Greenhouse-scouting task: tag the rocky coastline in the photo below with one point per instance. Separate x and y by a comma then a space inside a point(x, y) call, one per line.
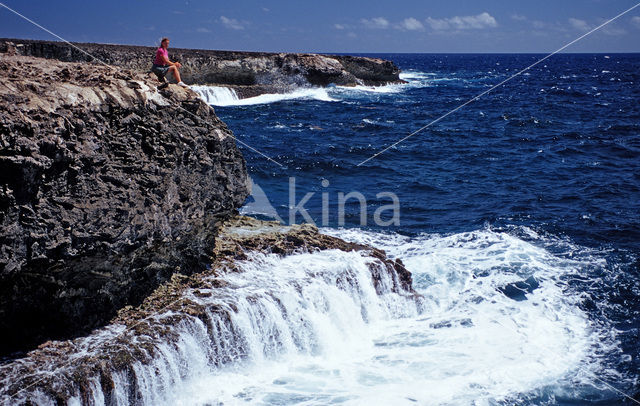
point(118, 213)
point(249, 74)
point(58, 371)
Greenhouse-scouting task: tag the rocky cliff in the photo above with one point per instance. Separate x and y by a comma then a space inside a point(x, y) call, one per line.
point(249, 73)
point(107, 187)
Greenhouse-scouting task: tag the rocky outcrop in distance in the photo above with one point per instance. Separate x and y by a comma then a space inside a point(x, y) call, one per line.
point(107, 188)
point(248, 73)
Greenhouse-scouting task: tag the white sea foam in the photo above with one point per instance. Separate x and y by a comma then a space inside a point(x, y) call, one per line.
point(414, 79)
point(470, 345)
point(390, 88)
point(312, 329)
point(303, 93)
point(222, 96)
point(413, 75)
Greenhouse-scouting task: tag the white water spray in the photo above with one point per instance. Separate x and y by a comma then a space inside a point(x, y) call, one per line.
point(313, 329)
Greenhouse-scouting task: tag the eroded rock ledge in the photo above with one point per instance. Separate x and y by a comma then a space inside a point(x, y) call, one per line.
point(107, 187)
point(137, 334)
point(248, 73)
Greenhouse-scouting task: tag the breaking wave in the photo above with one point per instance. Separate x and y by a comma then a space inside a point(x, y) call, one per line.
point(494, 322)
point(223, 96)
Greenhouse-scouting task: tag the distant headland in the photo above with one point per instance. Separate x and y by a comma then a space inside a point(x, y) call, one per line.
point(249, 74)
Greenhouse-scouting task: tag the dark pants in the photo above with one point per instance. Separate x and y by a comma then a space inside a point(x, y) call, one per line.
point(160, 71)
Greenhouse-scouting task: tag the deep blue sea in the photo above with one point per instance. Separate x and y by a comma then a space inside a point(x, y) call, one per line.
point(539, 179)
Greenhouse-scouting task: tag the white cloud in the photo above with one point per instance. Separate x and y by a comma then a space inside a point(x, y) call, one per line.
point(579, 24)
point(376, 22)
point(636, 21)
point(339, 26)
point(438, 25)
point(518, 17)
point(539, 24)
point(203, 30)
point(480, 21)
point(614, 31)
point(411, 24)
point(231, 23)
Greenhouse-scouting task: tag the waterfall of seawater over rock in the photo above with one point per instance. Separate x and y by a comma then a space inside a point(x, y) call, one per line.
point(492, 322)
point(306, 304)
point(216, 95)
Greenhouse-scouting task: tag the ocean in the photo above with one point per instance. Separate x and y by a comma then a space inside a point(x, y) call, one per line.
point(518, 215)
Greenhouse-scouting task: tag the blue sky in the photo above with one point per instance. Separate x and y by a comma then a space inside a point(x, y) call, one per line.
point(335, 26)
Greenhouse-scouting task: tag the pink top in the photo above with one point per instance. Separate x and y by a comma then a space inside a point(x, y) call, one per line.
point(159, 56)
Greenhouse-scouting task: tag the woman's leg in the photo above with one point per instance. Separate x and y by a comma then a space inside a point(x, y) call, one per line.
point(175, 72)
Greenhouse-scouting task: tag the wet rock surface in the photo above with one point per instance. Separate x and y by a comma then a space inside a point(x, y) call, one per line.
point(107, 188)
point(249, 73)
point(76, 368)
point(244, 234)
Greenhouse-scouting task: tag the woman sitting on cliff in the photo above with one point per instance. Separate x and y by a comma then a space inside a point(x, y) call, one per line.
point(162, 64)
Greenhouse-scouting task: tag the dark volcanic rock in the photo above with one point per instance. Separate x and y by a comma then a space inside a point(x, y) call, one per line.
point(371, 71)
point(107, 187)
point(250, 73)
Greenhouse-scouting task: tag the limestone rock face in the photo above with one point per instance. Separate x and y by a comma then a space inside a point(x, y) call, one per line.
point(107, 187)
point(249, 73)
